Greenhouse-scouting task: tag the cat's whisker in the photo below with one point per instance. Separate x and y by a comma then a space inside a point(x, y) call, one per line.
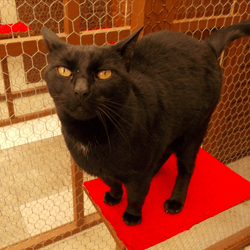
point(105, 106)
point(60, 107)
point(113, 120)
point(125, 106)
point(128, 112)
point(58, 97)
point(99, 114)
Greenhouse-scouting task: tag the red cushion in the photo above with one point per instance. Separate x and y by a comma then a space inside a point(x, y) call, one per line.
point(213, 188)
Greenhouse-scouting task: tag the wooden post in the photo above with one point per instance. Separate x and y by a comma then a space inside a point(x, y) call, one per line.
point(6, 78)
point(154, 15)
point(72, 21)
point(72, 30)
point(77, 180)
point(119, 243)
point(118, 247)
point(137, 16)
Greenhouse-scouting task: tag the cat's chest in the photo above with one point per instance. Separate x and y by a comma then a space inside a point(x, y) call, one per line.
point(81, 149)
point(94, 159)
point(83, 156)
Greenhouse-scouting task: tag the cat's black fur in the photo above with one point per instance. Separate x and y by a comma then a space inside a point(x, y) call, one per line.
point(158, 101)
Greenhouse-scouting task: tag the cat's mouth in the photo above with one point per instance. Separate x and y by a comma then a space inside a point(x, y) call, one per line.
point(80, 108)
point(83, 113)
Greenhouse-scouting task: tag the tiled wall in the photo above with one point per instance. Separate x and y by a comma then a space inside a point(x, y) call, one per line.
point(17, 75)
point(8, 11)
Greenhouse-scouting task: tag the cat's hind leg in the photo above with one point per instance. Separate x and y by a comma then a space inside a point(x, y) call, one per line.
point(186, 149)
point(114, 195)
point(165, 156)
point(186, 157)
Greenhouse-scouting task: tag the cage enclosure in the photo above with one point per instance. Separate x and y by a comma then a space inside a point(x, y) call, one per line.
point(42, 203)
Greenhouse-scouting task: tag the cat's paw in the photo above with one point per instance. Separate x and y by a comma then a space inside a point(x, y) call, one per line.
point(173, 206)
point(131, 219)
point(110, 200)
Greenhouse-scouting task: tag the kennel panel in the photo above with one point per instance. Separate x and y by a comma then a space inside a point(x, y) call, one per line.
point(41, 200)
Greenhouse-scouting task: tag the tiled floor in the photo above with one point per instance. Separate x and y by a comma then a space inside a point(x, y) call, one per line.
point(36, 192)
point(199, 237)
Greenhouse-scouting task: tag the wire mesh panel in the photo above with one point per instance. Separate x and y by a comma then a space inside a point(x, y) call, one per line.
point(228, 135)
point(41, 188)
point(41, 197)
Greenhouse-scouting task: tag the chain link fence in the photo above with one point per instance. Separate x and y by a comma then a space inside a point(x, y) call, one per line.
point(41, 198)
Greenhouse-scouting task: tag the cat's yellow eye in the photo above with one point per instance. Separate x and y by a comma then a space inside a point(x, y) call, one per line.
point(64, 71)
point(104, 74)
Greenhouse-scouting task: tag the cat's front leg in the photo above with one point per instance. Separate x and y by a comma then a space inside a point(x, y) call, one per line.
point(114, 195)
point(136, 191)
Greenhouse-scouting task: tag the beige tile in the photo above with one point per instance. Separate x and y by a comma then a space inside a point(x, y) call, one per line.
point(17, 75)
point(47, 213)
point(8, 11)
point(12, 226)
point(26, 105)
point(241, 167)
point(4, 114)
point(31, 131)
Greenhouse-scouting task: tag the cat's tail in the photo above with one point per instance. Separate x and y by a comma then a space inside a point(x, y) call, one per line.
point(221, 38)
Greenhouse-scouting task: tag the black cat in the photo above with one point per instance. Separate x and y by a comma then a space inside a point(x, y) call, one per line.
point(125, 108)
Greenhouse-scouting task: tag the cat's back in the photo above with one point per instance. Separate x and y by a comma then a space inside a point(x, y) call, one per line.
point(165, 47)
point(176, 69)
point(166, 38)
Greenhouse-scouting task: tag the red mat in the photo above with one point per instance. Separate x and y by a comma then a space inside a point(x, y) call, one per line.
point(16, 27)
point(213, 189)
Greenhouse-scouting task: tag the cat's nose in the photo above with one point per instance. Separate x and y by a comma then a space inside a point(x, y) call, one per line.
point(81, 89)
point(81, 94)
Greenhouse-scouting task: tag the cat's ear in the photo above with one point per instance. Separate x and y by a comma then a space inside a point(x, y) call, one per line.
point(126, 47)
point(51, 40)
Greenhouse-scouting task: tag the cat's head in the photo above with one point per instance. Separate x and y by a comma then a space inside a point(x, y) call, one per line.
point(83, 79)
